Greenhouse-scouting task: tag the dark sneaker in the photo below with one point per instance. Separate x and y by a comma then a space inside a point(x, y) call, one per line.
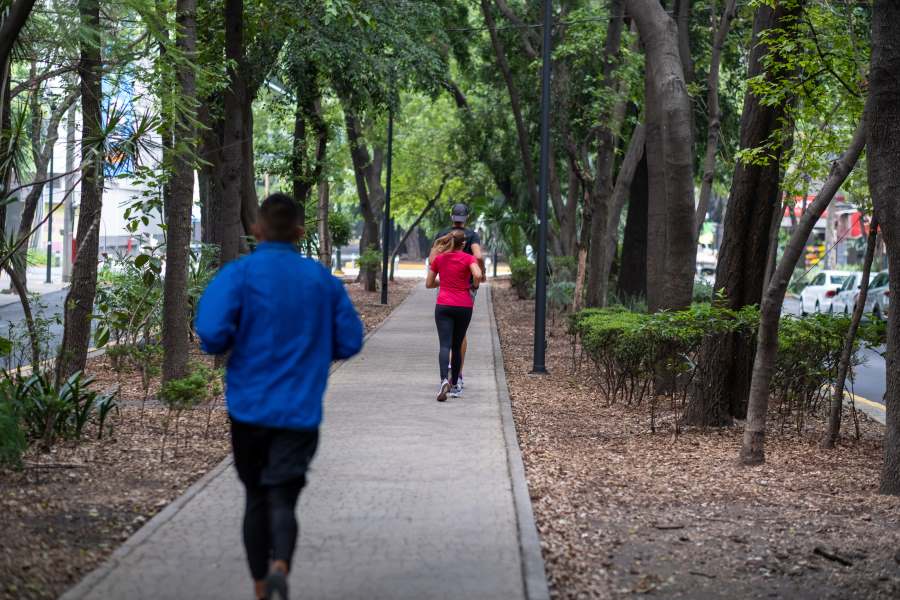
point(445, 389)
point(276, 586)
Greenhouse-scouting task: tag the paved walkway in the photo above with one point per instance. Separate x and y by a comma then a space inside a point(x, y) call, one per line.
point(407, 499)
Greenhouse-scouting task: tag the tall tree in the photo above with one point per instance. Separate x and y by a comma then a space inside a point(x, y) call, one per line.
point(228, 223)
point(741, 267)
point(175, 322)
point(601, 186)
point(714, 124)
point(671, 249)
point(883, 131)
point(79, 305)
point(753, 446)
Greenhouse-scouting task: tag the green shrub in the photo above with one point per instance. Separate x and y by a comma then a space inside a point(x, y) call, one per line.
point(340, 228)
point(201, 385)
point(48, 413)
point(631, 350)
point(563, 268)
point(12, 438)
point(369, 261)
point(522, 276)
point(703, 291)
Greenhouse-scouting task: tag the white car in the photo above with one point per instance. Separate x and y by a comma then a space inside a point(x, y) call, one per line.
point(817, 296)
point(879, 297)
point(845, 299)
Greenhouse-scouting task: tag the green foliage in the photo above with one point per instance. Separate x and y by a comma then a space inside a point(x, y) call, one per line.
point(563, 268)
point(340, 228)
point(523, 275)
point(809, 349)
point(201, 384)
point(703, 291)
point(369, 261)
point(12, 438)
point(129, 298)
point(45, 412)
point(634, 352)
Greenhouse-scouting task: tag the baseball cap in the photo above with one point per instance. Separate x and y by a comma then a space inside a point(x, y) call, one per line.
point(460, 213)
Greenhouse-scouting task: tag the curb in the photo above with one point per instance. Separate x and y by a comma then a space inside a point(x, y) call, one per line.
point(87, 583)
point(534, 577)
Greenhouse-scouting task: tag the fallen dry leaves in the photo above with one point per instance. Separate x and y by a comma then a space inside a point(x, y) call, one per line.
point(68, 509)
point(624, 511)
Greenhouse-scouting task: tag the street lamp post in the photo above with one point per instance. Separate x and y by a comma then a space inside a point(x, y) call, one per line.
point(386, 224)
point(50, 219)
point(540, 296)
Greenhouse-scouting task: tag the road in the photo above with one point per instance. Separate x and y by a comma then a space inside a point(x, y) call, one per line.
point(868, 385)
point(12, 316)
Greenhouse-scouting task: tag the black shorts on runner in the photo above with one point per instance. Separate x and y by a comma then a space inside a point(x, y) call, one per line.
point(265, 456)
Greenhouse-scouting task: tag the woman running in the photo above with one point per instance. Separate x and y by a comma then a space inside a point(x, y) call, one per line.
point(459, 274)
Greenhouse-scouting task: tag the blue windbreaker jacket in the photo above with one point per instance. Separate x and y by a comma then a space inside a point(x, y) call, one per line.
point(284, 318)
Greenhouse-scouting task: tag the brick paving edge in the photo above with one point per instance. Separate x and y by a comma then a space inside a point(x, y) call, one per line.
point(534, 576)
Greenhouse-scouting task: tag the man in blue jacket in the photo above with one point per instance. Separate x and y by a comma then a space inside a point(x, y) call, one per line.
point(283, 318)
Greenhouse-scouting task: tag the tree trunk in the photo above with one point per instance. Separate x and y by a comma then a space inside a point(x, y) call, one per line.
point(672, 249)
point(249, 199)
point(41, 154)
point(367, 173)
point(515, 104)
point(633, 156)
point(753, 447)
point(322, 224)
point(633, 266)
point(712, 106)
point(79, 304)
point(883, 116)
point(210, 170)
point(299, 187)
point(602, 184)
point(837, 398)
point(727, 359)
point(228, 221)
point(175, 324)
point(683, 13)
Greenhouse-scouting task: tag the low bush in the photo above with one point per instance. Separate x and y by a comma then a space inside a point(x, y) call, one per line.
point(640, 356)
point(369, 261)
point(44, 412)
point(202, 385)
point(522, 276)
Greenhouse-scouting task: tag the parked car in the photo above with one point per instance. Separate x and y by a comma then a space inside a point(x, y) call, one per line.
point(845, 299)
point(879, 296)
point(817, 296)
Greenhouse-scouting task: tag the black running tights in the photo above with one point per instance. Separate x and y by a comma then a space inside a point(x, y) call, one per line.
point(452, 323)
point(270, 525)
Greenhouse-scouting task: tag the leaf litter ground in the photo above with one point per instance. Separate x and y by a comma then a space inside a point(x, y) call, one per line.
point(622, 511)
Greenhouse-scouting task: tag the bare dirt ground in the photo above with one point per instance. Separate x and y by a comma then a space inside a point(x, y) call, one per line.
point(623, 511)
point(68, 509)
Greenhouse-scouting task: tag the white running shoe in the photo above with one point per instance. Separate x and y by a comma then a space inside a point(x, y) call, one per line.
point(445, 389)
point(456, 391)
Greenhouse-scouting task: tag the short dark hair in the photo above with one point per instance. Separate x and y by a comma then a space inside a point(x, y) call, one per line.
point(279, 216)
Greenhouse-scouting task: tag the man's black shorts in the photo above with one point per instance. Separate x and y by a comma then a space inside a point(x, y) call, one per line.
point(265, 456)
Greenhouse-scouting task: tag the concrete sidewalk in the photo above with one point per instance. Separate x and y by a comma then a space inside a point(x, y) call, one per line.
point(407, 498)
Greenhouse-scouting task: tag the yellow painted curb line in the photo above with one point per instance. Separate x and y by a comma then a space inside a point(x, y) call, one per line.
point(866, 401)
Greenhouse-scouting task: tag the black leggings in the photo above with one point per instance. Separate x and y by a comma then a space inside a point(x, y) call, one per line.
point(270, 525)
point(452, 323)
point(272, 465)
